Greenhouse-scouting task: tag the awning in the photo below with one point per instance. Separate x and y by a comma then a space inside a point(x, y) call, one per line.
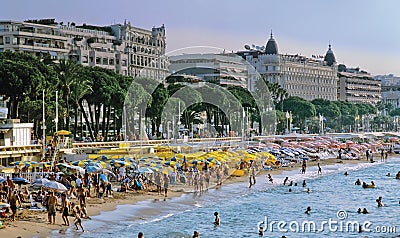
point(52, 53)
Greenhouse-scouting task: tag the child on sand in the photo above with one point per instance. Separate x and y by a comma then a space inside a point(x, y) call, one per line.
point(78, 221)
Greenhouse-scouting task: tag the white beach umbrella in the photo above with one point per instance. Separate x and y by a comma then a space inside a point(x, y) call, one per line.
point(59, 187)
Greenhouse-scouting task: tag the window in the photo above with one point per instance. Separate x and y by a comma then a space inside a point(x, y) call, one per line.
point(98, 60)
point(111, 61)
point(1, 40)
point(123, 62)
point(105, 61)
point(7, 40)
point(85, 59)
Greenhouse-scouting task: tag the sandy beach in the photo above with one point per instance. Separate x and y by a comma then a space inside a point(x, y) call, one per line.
point(35, 224)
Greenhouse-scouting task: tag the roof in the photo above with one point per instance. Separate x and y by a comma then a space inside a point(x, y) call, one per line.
point(271, 47)
point(330, 57)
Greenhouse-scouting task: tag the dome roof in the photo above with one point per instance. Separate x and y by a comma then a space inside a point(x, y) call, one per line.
point(272, 47)
point(330, 57)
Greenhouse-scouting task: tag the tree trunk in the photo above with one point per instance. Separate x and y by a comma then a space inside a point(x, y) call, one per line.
point(76, 120)
point(103, 124)
point(108, 120)
point(67, 114)
point(88, 124)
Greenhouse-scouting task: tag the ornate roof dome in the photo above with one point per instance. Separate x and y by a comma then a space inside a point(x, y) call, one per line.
point(272, 47)
point(330, 57)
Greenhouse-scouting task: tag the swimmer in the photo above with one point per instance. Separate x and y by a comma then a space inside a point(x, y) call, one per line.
point(295, 184)
point(379, 201)
point(388, 174)
point(291, 183)
point(365, 211)
point(372, 183)
point(308, 211)
point(359, 211)
point(261, 231)
point(304, 183)
point(290, 190)
point(217, 220)
point(140, 235)
point(345, 173)
point(196, 234)
point(308, 190)
point(358, 182)
point(284, 181)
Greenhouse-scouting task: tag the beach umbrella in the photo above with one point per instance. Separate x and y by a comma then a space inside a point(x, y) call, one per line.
point(4, 205)
point(20, 181)
point(167, 170)
point(79, 163)
point(19, 163)
point(144, 170)
point(103, 177)
point(39, 182)
point(62, 133)
point(56, 186)
point(93, 169)
point(173, 159)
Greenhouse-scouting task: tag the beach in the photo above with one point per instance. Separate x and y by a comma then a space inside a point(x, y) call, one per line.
point(34, 224)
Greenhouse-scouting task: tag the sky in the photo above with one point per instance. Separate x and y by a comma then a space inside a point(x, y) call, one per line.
point(363, 33)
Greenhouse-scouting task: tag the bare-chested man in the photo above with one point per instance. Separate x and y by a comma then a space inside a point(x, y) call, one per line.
point(51, 212)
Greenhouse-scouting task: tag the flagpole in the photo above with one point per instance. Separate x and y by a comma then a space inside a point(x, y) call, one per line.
point(44, 131)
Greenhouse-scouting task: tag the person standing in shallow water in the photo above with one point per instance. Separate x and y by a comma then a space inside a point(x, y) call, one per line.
point(319, 169)
point(217, 220)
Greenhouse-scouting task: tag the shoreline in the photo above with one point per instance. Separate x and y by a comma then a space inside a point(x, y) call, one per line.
point(35, 224)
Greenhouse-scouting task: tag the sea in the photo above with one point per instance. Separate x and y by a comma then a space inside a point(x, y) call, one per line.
point(334, 200)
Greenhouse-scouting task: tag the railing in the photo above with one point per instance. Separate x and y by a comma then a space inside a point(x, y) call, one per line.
point(114, 144)
point(31, 176)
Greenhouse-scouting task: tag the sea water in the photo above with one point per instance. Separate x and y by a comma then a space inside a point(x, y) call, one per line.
point(334, 200)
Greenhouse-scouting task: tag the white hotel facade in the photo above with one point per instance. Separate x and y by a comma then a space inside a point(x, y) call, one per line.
point(308, 78)
point(127, 50)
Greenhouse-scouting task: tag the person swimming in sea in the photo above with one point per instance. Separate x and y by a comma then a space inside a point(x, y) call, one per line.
point(388, 175)
point(196, 234)
point(359, 210)
point(291, 183)
point(308, 211)
point(379, 201)
point(365, 211)
point(308, 190)
point(345, 173)
point(290, 190)
point(217, 220)
point(358, 182)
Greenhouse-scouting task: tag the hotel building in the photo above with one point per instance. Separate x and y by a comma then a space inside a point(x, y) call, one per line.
point(358, 86)
point(308, 78)
point(390, 89)
point(223, 69)
point(127, 50)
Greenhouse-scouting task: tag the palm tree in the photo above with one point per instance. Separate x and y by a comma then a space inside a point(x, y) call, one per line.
point(78, 91)
point(67, 71)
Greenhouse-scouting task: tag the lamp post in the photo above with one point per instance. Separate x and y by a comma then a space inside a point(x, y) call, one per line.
point(56, 119)
point(44, 130)
point(287, 122)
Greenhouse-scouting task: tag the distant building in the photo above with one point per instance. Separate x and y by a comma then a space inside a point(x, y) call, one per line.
point(308, 78)
point(125, 49)
point(14, 133)
point(223, 69)
point(358, 86)
point(390, 89)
